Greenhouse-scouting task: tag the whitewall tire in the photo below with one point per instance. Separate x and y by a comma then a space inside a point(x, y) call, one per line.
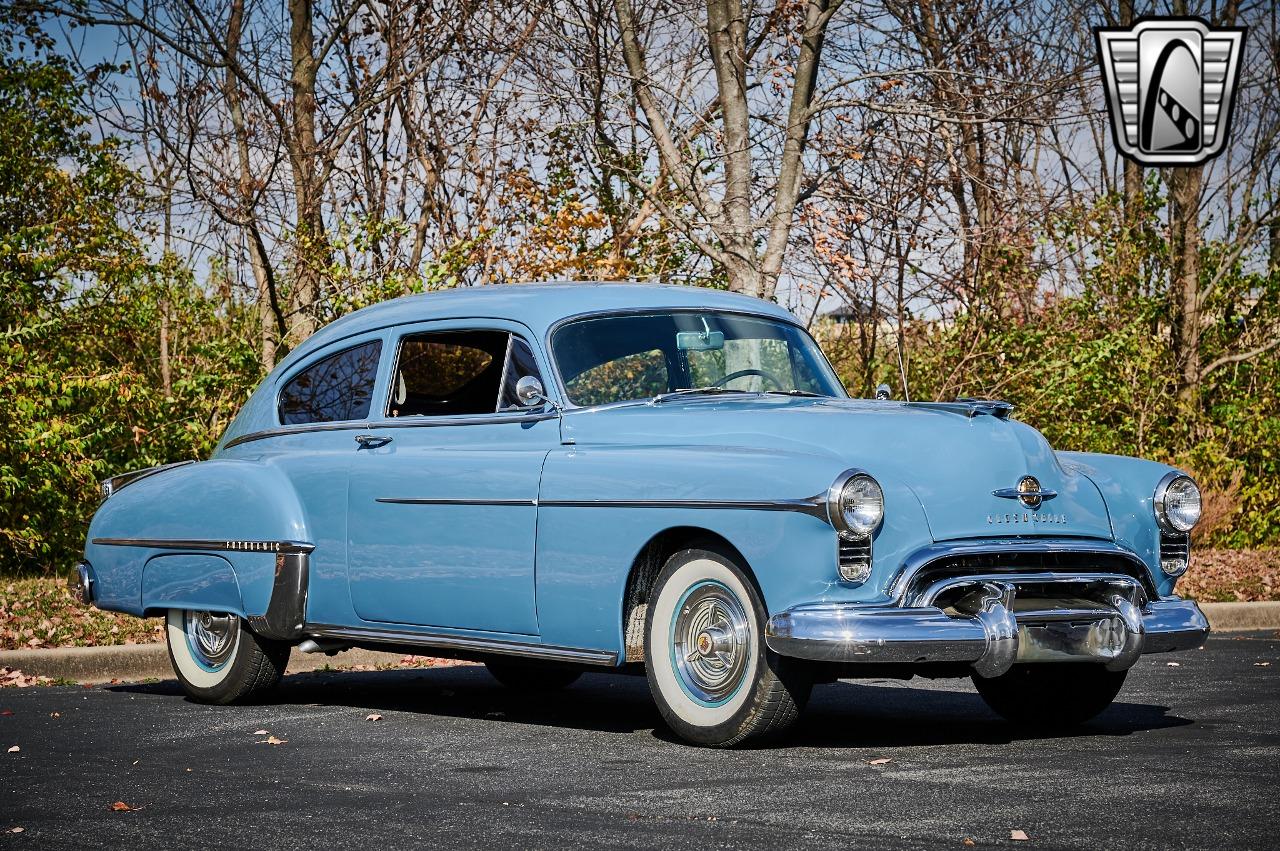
point(218, 659)
point(713, 678)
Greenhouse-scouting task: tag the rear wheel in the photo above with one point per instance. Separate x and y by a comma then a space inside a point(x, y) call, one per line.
point(1051, 695)
point(532, 677)
point(713, 678)
point(218, 659)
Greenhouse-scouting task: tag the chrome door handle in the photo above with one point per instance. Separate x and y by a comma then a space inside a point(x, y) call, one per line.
point(372, 441)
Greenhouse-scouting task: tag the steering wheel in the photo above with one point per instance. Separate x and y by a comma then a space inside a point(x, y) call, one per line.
point(742, 373)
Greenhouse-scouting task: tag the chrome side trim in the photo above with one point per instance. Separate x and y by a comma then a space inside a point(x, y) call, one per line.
point(413, 500)
point(814, 506)
point(440, 641)
point(204, 544)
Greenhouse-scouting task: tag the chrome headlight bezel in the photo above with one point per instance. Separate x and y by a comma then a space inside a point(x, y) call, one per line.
point(835, 502)
point(1161, 503)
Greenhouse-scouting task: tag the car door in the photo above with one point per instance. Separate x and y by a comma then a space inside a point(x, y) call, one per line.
point(442, 504)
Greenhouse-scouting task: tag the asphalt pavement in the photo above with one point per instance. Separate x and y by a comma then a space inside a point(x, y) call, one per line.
point(1188, 757)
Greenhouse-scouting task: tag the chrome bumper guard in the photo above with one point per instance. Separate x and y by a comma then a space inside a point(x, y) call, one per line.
point(1105, 619)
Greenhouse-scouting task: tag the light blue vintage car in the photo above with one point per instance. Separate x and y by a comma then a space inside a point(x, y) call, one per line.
point(559, 478)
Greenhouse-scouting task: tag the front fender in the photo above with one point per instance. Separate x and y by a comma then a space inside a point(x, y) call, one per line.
point(593, 522)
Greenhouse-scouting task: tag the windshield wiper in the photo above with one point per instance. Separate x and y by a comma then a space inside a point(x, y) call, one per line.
point(806, 393)
point(694, 391)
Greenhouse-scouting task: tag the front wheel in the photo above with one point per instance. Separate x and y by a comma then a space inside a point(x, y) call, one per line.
point(218, 659)
point(713, 678)
point(1051, 695)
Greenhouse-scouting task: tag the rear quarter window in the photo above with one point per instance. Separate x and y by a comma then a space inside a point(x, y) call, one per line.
point(335, 389)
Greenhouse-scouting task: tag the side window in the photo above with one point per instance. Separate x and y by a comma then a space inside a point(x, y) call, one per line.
point(448, 373)
point(520, 362)
point(338, 388)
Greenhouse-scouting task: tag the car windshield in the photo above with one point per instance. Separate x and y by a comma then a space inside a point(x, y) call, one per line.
point(642, 356)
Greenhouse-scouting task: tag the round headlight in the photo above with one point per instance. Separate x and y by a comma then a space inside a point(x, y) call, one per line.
point(856, 504)
point(1177, 503)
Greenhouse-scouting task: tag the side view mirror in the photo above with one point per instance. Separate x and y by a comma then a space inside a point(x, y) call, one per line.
point(530, 392)
point(882, 391)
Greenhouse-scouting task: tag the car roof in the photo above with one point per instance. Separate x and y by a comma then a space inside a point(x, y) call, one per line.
point(537, 305)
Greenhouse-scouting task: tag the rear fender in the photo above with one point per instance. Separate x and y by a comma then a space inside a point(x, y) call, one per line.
point(227, 519)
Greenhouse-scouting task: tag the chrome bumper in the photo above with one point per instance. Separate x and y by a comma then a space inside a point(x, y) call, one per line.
point(1114, 628)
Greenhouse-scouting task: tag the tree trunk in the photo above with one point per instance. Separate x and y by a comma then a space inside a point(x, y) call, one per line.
point(1184, 276)
point(727, 38)
point(270, 321)
point(310, 244)
point(1132, 171)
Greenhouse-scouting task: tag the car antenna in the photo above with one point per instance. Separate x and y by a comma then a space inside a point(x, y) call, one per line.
point(902, 368)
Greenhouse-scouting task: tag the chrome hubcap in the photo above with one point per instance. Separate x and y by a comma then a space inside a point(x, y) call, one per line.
point(710, 642)
point(211, 637)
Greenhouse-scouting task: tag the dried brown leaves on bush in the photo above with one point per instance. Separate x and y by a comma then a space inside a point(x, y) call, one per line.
point(1224, 576)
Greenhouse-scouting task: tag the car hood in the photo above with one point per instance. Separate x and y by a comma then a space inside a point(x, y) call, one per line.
point(952, 457)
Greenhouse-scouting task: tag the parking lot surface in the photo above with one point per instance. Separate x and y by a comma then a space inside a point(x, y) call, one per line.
point(1188, 757)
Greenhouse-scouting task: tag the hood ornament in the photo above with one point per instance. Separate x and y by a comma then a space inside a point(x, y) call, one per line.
point(1028, 492)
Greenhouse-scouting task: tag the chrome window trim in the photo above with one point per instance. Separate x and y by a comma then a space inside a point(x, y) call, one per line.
point(312, 360)
point(281, 431)
point(395, 422)
point(114, 484)
point(562, 389)
point(466, 644)
point(209, 545)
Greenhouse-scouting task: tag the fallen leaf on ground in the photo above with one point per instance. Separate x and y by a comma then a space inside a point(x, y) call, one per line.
point(261, 732)
point(122, 807)
point(272, 740)
point(16, 829)
point(884, 760)
point(1262, 664)
point(1018, 835)
point(55, 714)
point(373, 716)
point(1174, 664)
point(969, 842)
point(14, 749)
